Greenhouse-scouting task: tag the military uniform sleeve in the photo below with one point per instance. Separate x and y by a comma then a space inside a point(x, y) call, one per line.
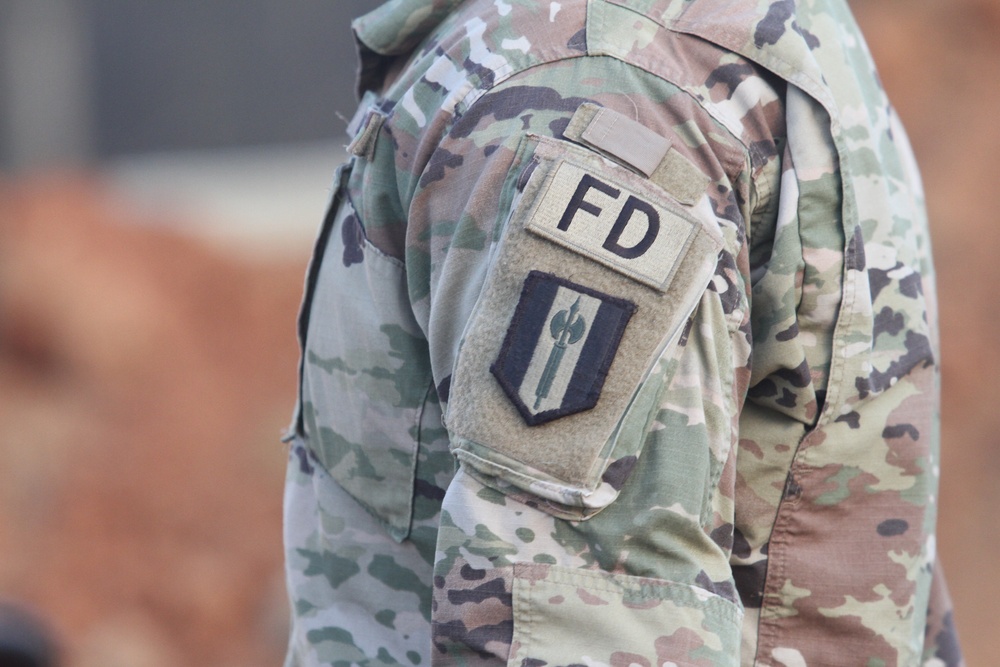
point(552, 256)
point(586, 299)
point(540, 263)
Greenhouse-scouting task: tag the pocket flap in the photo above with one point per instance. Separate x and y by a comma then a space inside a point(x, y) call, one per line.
point(565, 616)
point(365, 375)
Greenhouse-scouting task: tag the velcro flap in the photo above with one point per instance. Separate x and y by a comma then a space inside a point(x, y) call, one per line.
point(569, 325)
point(619, 136)
point(630, 142)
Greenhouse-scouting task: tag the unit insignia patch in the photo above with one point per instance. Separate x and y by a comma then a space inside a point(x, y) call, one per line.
point(607, 221)
point(560, 344)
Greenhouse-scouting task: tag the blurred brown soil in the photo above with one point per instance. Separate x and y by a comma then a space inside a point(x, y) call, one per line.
point(144, 383)
point(144, 380)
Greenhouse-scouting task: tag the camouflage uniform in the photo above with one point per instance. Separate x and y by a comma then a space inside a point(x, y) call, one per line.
point(619, 348)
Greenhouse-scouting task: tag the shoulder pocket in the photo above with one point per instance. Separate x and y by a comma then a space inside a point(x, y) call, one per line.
point(364, 375)
point(597, 273)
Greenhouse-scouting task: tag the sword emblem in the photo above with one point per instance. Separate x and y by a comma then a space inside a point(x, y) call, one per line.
point(567, 328)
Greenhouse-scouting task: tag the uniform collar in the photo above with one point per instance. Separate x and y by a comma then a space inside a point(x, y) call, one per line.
point(397, 26)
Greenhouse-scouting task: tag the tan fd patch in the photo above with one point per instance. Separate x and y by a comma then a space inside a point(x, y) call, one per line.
point(606, 220)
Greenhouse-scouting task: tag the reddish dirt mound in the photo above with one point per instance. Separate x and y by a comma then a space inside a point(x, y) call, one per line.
point(144, 382)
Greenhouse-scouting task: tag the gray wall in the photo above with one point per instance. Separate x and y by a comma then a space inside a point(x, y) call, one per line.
point(84, 80)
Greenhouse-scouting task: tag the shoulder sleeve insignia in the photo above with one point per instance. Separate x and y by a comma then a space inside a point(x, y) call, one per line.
point(593, 279)
point(560, 344)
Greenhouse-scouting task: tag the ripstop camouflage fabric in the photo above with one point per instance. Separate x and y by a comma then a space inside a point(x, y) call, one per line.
point(755, 484)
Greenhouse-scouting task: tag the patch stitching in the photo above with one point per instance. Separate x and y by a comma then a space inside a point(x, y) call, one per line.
point(531, 283)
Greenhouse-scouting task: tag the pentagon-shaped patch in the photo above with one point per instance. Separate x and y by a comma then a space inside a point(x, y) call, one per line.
point(561, 342)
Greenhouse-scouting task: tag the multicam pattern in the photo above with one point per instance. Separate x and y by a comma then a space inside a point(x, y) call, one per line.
point(778, 461)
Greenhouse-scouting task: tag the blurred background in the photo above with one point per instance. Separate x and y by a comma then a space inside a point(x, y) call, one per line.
point(163, 167)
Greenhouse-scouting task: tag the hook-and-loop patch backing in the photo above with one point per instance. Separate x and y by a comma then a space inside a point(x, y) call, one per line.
point(597, 272)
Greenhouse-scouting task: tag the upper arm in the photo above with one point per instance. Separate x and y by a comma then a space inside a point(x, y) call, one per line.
point(592, 474)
